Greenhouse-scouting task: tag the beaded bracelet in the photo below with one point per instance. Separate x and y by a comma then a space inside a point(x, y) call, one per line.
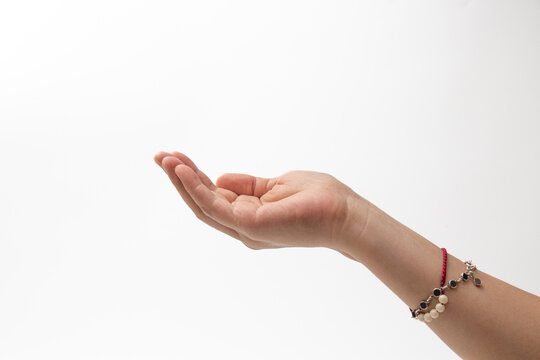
point(443, 275)
point(427, 317)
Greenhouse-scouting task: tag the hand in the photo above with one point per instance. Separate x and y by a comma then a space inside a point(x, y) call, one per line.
point(298, 208)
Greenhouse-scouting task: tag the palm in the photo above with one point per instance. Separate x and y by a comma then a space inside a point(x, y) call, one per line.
point(299, 208)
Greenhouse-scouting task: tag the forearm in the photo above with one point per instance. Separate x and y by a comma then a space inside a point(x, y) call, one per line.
point(494, 321)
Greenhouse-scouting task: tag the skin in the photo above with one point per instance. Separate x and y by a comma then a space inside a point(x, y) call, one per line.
point(313, 209)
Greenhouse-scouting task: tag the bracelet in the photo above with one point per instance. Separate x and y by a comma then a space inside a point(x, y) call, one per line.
point(443, 275)
point(427, 316)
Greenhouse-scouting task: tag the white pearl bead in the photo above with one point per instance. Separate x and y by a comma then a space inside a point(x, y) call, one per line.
point(420, 317)
point(443, 299)
point(427, 317)
point(440, 307)
point(434, 314)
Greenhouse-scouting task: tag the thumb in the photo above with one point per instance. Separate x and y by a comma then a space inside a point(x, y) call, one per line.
point(243, 184)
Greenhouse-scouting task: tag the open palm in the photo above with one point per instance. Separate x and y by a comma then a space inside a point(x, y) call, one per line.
point(298, 208)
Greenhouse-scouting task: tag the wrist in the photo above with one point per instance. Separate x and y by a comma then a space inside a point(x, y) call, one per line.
point(355, 227)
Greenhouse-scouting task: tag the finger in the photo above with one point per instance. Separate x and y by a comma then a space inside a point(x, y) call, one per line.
point(169, 166)
point(159, 157)
point(216, 207)
point(243, 184)
point(186, 160)
point(169, 163)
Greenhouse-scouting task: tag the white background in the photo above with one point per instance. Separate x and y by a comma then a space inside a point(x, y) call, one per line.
point(429, 109)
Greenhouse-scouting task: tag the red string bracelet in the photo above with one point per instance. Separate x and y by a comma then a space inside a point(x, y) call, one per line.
point(443, 276)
